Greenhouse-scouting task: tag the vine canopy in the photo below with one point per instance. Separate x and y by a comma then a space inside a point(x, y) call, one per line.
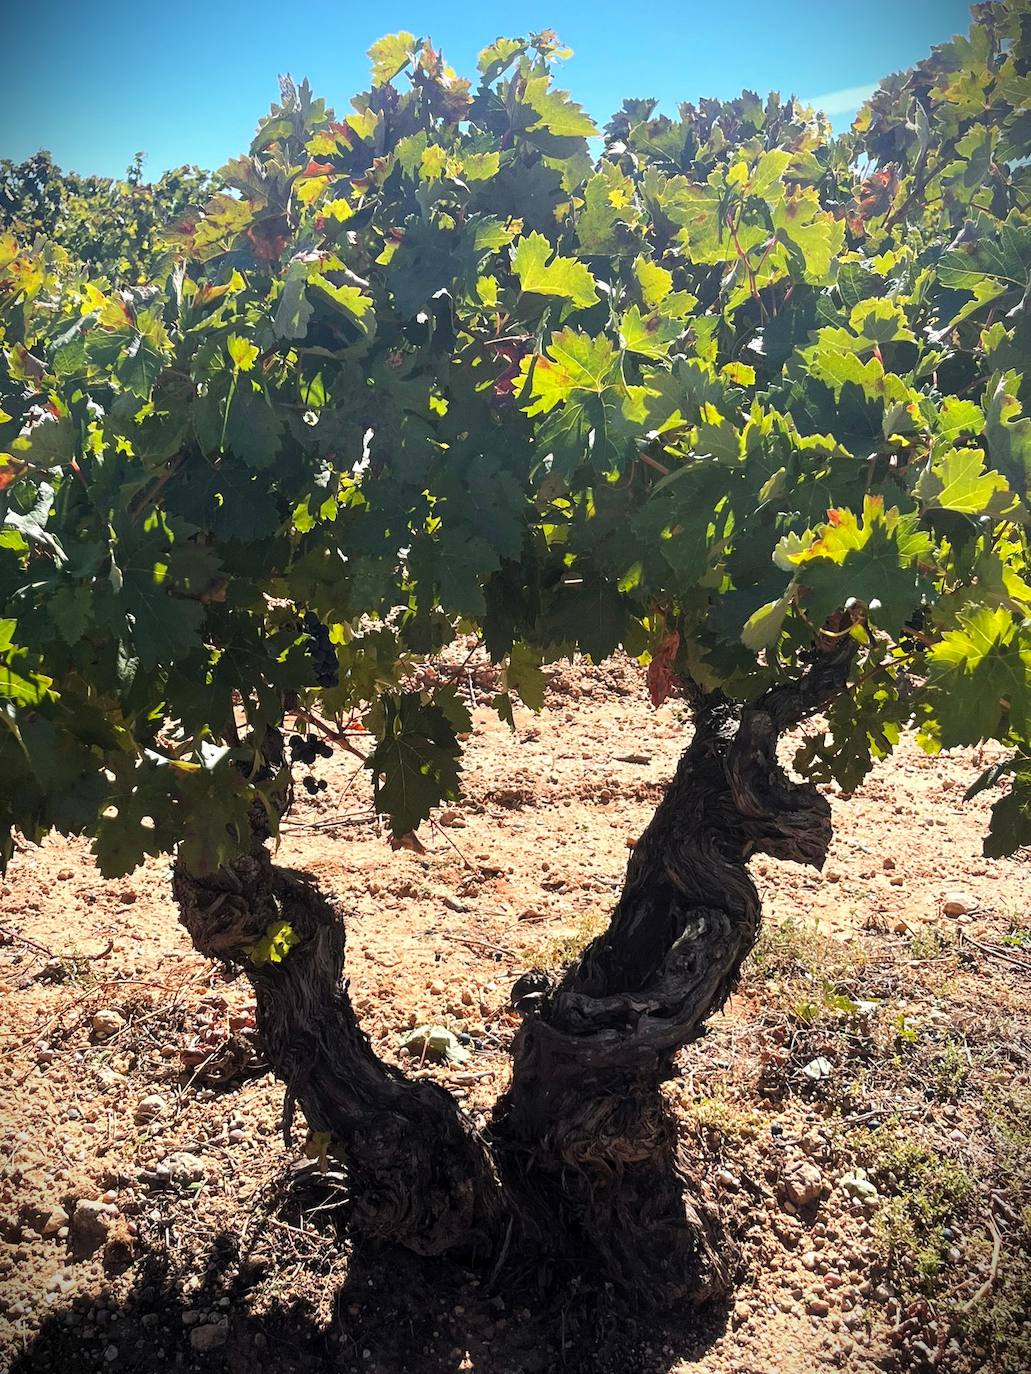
point(713, 387)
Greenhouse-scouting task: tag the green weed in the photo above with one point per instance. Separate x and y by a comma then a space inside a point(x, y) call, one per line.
point(559, 950)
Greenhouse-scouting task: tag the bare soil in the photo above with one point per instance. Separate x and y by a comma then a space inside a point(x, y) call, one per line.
point(873, 1030)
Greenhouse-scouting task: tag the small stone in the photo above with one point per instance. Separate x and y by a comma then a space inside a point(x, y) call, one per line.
point(88, 1228)
point(857, 1186)
point(111, 1354)
point(888, 864)
point(180, 1169)
point(467, 997)
point(149, 1108)
point(809, 1259)
point(817, 1307)
point(436, 987)
point(107, 1022)
point(57, 1220)
point(813, 1143)
point(64, 874)
point(832, 875)
point(958, 904)
point(803, 1183)
point(818, 1068)
point(211, 1336)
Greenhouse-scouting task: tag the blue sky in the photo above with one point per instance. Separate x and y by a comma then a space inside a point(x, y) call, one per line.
point(186, 82)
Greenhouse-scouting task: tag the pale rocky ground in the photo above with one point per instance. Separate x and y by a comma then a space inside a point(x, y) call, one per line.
point(146, 1219)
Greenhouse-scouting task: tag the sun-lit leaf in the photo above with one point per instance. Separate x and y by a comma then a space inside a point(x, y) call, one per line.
point(546, 273)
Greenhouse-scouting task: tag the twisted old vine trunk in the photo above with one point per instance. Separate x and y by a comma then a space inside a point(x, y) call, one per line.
point(584, 1138)
point(418, 1174)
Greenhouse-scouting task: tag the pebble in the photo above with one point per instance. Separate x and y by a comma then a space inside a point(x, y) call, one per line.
point(89, 1227)
point(56, 1222)
point(958, 904)
point(817, 1307)
point(180, 1168)
point(107, 1022)
point(803, 1183)
point(211, 1336)
point(149, 1108)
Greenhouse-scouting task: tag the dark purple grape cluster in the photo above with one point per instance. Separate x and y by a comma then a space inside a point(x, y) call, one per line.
point(306, 749)
point(320, 650)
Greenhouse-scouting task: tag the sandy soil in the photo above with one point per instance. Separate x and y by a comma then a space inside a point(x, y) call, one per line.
point(222, 1261)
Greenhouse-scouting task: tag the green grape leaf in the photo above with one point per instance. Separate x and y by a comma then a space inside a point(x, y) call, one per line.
point(523, 675)
point(957, 481)
point(565, 278)
point(495, 59)
point(414, 765)
point(979, 680)
point(1010, 826)
point(391, 54)
point(274, 946)
point(874, 560)
point(555, 112)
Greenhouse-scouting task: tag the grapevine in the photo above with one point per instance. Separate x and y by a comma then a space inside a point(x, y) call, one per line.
point(744, 401)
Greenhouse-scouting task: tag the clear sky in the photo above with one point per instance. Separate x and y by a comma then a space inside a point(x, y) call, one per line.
point(95, 80)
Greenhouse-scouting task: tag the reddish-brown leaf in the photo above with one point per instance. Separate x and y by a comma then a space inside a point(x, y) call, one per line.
point(661, 676)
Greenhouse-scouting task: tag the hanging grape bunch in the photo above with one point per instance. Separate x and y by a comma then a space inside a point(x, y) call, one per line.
point(320, 650)
point(305, 749)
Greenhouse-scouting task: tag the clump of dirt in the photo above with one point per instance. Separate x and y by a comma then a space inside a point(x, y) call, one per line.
point(863, 1105)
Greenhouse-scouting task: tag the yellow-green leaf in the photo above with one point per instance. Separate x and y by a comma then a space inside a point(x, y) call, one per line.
point(390, 55)
point(565, 278)
point(243, 353)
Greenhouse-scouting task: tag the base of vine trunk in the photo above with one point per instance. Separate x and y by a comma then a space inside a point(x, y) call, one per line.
point(603, 1188)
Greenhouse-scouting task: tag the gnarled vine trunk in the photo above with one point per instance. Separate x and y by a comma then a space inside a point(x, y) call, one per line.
point(418, 1174)
point(583, 1137)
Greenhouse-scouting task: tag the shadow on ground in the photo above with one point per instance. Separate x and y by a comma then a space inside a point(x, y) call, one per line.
point(393, 1314)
